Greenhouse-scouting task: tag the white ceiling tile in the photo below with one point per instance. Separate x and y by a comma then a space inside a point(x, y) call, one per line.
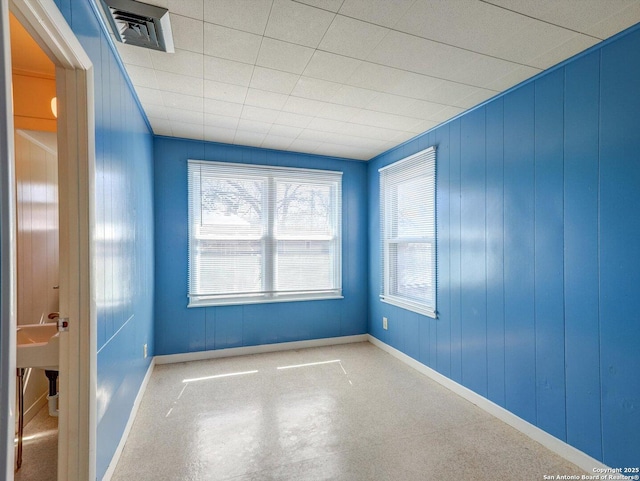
point(380, 12)
point(512, 78)
point(285, 56)
point(132, 55)
point(315, 89)
point(161, 126)
point(315, 135)
point(265, 99)
point(336, 150)
point(453, 93)
point(285, 131)
point(298, 23)
point(563, 51)
point(247, 15)
point(331, 5)
point(220, 107)
point(332, 67)
point(252, 139)
point(403, 137)
point(475, 98)
point(254, 126)
point(219, 134)
point(260, 114)
point(369, 131)
point(182, 62)
point(174, 82)
point(149, 96)
point(395, 104)
point(353, 38)
point(231, 44)
point(186, 116)
point(383, 120)
point(338, 112)
point(581, 15)
point(616, 22)
point(354, 96)
point(447, 113)
point(304, 145)
point(142, 76)
point(187, 131)
point(276, 142)
point(187, 33)
point(188, 8)
point(158, 3)
point(273, 80)
point(156, 111)
point(228, 71)
point(293, 120)
point(181, 101)
point(326, 125)
point(223, 91)
point(220, 121)
point(303, 106)
point(424, 126)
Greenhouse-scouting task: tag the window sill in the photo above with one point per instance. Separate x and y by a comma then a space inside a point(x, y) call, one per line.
point(410, 306)
point(245, 301)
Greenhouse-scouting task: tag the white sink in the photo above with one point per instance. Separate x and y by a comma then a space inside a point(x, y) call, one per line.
point(38, 346)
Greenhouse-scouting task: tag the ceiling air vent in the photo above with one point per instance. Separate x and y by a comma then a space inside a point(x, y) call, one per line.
point(137, 23)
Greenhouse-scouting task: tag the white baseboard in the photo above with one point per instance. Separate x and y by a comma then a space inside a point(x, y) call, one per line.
point(35, 407)
point(568, 452)
point(127, 429)
point(244, 351)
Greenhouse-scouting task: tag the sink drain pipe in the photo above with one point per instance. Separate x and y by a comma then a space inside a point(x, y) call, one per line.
point(52, 398)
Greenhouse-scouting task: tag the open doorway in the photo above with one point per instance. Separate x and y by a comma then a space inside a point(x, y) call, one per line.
point(76, 159)
point(37, 243)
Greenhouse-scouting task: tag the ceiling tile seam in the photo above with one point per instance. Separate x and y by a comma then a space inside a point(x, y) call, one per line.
point(540, 20)
point(440, 42)
point(253, 69)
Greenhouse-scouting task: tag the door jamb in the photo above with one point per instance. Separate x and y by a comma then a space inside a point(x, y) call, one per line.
point(76, 164)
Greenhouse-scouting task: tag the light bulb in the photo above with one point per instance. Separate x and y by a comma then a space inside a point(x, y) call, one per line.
point(54, 107)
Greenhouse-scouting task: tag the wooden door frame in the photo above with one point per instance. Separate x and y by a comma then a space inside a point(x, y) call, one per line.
point(76, 174)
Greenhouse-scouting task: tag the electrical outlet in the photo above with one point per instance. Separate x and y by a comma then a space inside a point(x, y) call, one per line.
point(385, 323)
point(144, 350)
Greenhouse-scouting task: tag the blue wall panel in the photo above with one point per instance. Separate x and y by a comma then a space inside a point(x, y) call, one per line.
point(520, 364)
point(538, 194)
point(455, 239)
point(549, 251)
point(582, 328)
point(620, 250)
point(180, 329)
point(473, 293)
point(495, 252)
point(123, 240)
point(443, 213)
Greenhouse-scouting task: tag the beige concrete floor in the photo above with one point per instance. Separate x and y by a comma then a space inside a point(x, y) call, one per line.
point(360, 415)
point(39, 449)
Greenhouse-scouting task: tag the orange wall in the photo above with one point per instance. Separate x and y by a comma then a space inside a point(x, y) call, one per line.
point(32, 102)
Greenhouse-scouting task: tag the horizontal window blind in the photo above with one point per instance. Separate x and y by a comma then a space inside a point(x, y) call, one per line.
point(408, 232)
point(263, 234)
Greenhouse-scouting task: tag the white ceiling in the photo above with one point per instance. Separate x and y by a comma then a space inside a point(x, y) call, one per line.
point(351, 78)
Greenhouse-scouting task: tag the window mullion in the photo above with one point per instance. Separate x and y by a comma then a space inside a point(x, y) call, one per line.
point(270, 248)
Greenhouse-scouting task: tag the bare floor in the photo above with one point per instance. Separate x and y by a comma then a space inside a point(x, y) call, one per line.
point(349, 412)
point(39, 449)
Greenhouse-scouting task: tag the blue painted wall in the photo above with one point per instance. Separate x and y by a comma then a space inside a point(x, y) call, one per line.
point(180, 330)
point(538, 253)
point(123, 245)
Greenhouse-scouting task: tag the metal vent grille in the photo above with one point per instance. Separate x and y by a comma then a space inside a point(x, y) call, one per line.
point(140, 24)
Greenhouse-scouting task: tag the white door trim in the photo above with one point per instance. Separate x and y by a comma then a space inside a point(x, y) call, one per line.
point(8, 257)
point(76, 164)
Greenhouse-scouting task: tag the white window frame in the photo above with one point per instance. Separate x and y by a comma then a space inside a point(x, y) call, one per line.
point(271, 175)
point(422, 163)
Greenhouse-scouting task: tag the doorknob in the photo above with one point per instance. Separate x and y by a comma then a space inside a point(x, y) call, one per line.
point(62, 322)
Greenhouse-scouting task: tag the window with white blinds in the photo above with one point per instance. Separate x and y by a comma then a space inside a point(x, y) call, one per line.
point(263, 234)
point(408, 232)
